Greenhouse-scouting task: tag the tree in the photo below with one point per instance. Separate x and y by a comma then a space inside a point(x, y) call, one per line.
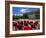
point(25, 16)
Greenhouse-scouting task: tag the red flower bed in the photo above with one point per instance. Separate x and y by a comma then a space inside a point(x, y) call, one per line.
point(25, 25)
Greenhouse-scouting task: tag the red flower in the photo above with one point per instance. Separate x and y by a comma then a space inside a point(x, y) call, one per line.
point(28, 22)
point(27, 28)
point(36, 23)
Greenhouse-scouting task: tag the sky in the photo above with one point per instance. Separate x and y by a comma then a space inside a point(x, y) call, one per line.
point(19, 11)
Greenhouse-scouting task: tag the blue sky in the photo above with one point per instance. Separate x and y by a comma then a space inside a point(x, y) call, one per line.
point(21, 10)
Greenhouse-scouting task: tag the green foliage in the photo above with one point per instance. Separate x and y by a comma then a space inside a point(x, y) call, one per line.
point(24, 17)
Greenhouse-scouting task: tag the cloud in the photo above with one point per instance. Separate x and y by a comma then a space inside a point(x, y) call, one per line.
point(25, 10)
